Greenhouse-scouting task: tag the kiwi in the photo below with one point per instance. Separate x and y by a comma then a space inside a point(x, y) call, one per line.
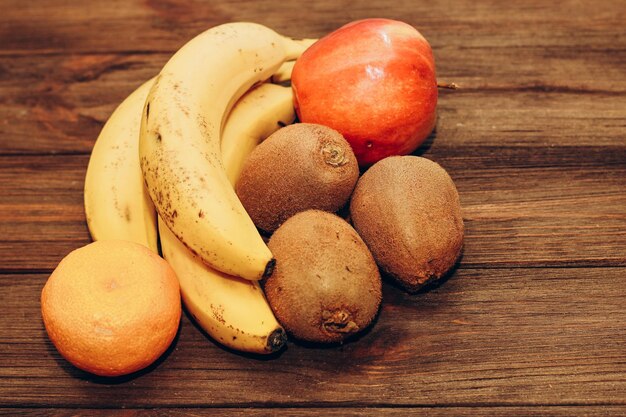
point(407, 210)
point(325, 286)
point(299, 167)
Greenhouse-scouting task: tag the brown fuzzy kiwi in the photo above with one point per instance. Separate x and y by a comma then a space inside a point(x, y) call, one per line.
point(407, 210)
point(299, 167)
point(325, 286)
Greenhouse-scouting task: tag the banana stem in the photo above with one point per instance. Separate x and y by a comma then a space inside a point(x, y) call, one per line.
point(283, 74)
point(295, 47)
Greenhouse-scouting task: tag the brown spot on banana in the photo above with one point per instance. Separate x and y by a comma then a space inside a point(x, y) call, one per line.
point(218, 313)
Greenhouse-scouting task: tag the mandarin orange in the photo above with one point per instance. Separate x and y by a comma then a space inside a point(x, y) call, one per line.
point(112, 307)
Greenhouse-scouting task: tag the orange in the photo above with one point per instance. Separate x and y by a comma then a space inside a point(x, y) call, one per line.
point(112, 307)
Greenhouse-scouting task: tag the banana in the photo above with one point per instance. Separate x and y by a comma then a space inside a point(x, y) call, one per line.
point(117, 204)
point(233, 310)
point(179, 144)
point(114, 179)
point(283, 74)
point(257, 115)
point(301, 45)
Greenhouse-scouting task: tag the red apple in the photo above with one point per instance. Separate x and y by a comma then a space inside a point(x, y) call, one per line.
point(374, 81)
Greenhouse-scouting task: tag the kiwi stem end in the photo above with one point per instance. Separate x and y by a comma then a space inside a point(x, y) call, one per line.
point(334, 155)
point(338, 321)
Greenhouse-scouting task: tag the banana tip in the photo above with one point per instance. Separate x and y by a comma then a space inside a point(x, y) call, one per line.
point(276, 340)
point(269, 268)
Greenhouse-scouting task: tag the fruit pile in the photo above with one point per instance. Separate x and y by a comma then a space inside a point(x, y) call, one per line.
point(203, 164)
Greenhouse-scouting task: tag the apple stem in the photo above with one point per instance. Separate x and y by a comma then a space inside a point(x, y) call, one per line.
point(449, 86)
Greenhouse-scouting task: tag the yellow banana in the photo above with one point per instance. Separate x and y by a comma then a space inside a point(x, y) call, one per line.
point(114, 181)
point(301, 45)
point(179, 144)
point(117, 204)
point(283, 74)
point(233, 310)
point(256, 116)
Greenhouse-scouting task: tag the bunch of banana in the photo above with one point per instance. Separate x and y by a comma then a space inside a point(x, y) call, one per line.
point(117, 204)
point(233, 310)
point(177, 135)
point(179, 142)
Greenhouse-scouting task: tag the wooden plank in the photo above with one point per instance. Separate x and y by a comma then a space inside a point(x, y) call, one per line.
point(578, 100)
point(534, 140)
point(550, 411)
point(64, 110)
point(521, 208)
point(164, 26)
point(41, 215)
point(494, 337)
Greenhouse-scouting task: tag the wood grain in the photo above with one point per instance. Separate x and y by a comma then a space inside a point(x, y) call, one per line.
point(519, 208)
point(506, 337)
point(152, 25)
point(550, 411)
point(533, 321)
point(579, 101)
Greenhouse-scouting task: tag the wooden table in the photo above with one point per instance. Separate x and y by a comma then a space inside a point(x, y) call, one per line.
point(532, 322)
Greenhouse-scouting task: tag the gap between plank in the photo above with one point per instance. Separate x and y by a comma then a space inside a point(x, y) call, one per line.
point(470, 267)
point(322, 405)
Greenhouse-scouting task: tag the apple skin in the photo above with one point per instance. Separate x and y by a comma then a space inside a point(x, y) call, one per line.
point(372, 80)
